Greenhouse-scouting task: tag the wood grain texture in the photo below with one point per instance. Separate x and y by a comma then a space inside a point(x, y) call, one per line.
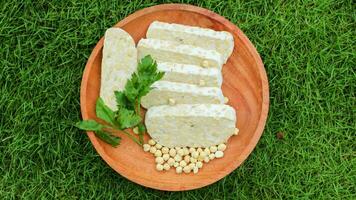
point(245, 84)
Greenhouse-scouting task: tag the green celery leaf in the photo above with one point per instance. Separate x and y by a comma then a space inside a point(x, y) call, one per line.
point(104, 112)
point(141, 128)
point(89, 125)
point(159, 76)
point(108, 138)
point(127, 118)
point(145, 63)
point(147, 75)
point(131, 88)
point(122, 101)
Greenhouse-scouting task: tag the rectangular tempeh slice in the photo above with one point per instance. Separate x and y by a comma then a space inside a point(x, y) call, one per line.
point(169, 51)
point(191, 74)
point(221, 41)
point(192, 125)
point(118, 63)
point(181, 93)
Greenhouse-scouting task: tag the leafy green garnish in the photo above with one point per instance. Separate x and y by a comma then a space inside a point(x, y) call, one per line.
point(89, 125)
point(141, 128)
point(128, 113)
point(138, 86)
point(108, 138)
point(104, 112)
point(92, 125)
point(122, 101)
point(127, 118)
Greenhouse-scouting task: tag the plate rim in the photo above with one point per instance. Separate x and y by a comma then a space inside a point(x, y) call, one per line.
point(264, 84)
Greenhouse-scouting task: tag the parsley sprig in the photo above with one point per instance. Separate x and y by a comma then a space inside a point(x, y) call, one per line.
point(128, 113)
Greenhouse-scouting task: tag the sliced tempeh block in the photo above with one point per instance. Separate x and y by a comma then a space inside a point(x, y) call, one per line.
point(169, 51)
point(181, 93)
point(192, 125)
point(221, 41)
point(192, 74)
point(118, 63)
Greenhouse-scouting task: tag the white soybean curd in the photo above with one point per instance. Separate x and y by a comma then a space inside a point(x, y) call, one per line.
point(211, 124)
point(221, 41)
point(191, 74)
point(119, 61)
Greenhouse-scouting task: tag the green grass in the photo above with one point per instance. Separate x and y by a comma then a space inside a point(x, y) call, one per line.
point(308, 48)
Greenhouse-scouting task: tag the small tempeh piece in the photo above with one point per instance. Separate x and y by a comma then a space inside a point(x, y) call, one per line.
point(170, 51)
point(193, 125)
point(221, 41)
point(191, 74)
point(181, 93)
point(118, 63)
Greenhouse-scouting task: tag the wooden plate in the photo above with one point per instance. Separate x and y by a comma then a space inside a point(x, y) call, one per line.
point(245, 84)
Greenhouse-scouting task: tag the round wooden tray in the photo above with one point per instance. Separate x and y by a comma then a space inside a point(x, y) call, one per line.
point(245, 84)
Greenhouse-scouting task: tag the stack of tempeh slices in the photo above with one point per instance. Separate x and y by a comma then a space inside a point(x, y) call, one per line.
point(186, 108)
